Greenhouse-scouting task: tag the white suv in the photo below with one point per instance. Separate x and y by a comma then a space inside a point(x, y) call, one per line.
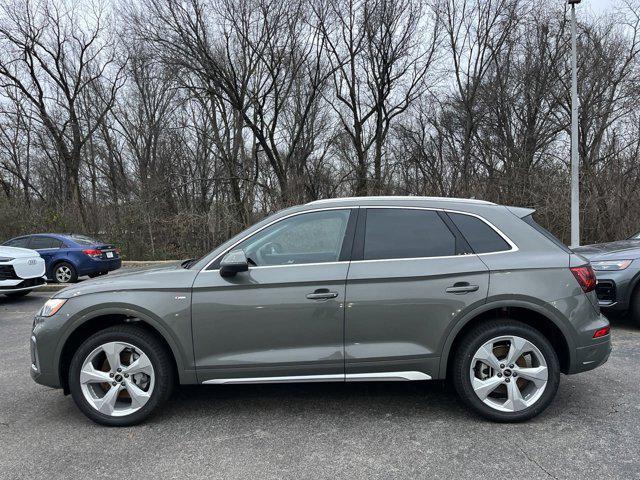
point(21, 270)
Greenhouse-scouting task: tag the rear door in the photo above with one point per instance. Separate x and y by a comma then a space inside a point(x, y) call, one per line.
point(412, 274)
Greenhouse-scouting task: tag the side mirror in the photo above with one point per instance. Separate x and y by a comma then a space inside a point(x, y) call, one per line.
point(233, 262)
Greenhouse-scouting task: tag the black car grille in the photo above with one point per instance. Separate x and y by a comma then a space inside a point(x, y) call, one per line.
point(8, 273)
point(606, 291)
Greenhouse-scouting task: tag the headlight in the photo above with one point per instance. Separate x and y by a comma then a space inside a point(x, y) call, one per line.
point(610, 265)
point(51, 307)
point(5, 259)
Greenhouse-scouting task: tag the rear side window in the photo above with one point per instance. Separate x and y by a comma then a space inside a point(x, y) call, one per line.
point(38, 243)
point(529, 220)
point(18, 242)
point(480, 236)
point(400, 233)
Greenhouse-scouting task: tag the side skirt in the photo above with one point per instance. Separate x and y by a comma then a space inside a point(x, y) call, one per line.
point(350, 377)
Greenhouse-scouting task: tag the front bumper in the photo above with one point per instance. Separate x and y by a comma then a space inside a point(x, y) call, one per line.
point(614, 288)
point(42, 345)
point(12, 286)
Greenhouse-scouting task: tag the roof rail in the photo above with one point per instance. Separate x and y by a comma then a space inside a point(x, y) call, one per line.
point(404, 198)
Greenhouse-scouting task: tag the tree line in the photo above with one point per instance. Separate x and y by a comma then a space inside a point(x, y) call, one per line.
point(166, 126)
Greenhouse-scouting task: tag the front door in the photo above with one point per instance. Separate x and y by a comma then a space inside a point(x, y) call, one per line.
point(282, 320)
point(412, 274)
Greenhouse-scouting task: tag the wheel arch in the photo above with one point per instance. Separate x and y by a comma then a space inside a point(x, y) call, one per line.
point(96, 321)
point(538, 317)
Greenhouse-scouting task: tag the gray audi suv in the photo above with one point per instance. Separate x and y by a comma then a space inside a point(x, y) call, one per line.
point(340, 290)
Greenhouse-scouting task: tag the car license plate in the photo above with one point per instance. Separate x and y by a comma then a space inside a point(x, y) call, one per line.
point(109, 254)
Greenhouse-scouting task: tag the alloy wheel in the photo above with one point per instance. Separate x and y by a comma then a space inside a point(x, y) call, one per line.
point(63, 274)
point(509, 373)
point(117, 379)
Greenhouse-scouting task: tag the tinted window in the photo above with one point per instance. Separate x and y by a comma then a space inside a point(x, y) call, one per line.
point(315, 237)
point(18, 242)
point(529, 220)
point(399, 233)
point(480, 236)
point(38, 243)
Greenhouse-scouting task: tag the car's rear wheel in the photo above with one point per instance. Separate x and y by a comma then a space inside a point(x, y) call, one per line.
point(121, 375)
point(506, 371)
point(64, 272)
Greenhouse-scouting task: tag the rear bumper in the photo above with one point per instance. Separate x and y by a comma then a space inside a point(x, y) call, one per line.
point(591, 356)
point(97, 266)
point(594, 351)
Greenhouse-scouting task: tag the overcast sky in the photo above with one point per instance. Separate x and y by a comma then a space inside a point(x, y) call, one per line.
point(599, 6)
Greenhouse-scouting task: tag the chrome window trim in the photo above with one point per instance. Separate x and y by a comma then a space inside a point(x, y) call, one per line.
point(514, 247)
point(205, 268)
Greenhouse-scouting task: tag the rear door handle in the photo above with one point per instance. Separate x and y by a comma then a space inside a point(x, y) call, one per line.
point(461, 288)
point(322, 294)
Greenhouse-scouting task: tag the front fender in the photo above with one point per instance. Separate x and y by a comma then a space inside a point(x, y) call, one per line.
point(171, 326)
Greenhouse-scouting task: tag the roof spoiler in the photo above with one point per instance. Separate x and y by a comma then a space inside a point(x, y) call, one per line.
point(521, 212)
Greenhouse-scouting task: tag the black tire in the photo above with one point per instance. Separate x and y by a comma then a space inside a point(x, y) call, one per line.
point(73, 277)
point(158, 355)
point(484, 332)
point(19, 294)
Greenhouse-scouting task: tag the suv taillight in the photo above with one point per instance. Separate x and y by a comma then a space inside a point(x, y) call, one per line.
point(586, 277)
point(93, 253)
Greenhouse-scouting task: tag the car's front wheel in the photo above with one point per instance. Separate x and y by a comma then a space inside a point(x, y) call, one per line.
point(506, 370)
point(64, 272)
point(120, 375)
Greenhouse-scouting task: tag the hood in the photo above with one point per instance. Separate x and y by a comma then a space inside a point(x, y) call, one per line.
point(16, 252)
point(162, 278)
point(623, 249)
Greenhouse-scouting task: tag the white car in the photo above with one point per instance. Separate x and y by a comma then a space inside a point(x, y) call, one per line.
point(21, 270)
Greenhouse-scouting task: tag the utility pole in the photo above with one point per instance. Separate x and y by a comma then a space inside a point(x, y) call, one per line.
point(575, 159)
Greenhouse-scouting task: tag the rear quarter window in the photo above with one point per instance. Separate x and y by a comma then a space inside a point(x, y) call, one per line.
point(530, 221)
point(480, 236)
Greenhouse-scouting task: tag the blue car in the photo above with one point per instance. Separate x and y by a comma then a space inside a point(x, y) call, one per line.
point(68, 257)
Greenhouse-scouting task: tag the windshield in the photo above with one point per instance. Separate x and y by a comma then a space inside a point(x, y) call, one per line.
point(82, 240)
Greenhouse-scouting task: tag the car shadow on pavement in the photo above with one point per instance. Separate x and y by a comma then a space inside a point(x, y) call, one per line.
point(316, 400)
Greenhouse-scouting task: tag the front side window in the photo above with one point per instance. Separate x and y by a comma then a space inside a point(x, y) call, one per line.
point(315, 237)
point(481, 237)
point(18, 242)
point(40, 243)
point(406, 233)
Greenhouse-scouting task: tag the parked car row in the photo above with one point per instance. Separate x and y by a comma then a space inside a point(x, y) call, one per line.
point(55, 257)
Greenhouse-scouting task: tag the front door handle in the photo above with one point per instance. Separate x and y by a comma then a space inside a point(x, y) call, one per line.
point(322, 294)
point(461, 288)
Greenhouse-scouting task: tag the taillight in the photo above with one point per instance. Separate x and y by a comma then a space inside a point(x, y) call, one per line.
point(602, 332)
point(93, 253)
point(586, 277)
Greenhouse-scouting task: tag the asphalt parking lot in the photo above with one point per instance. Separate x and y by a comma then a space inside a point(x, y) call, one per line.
point(393, 430)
